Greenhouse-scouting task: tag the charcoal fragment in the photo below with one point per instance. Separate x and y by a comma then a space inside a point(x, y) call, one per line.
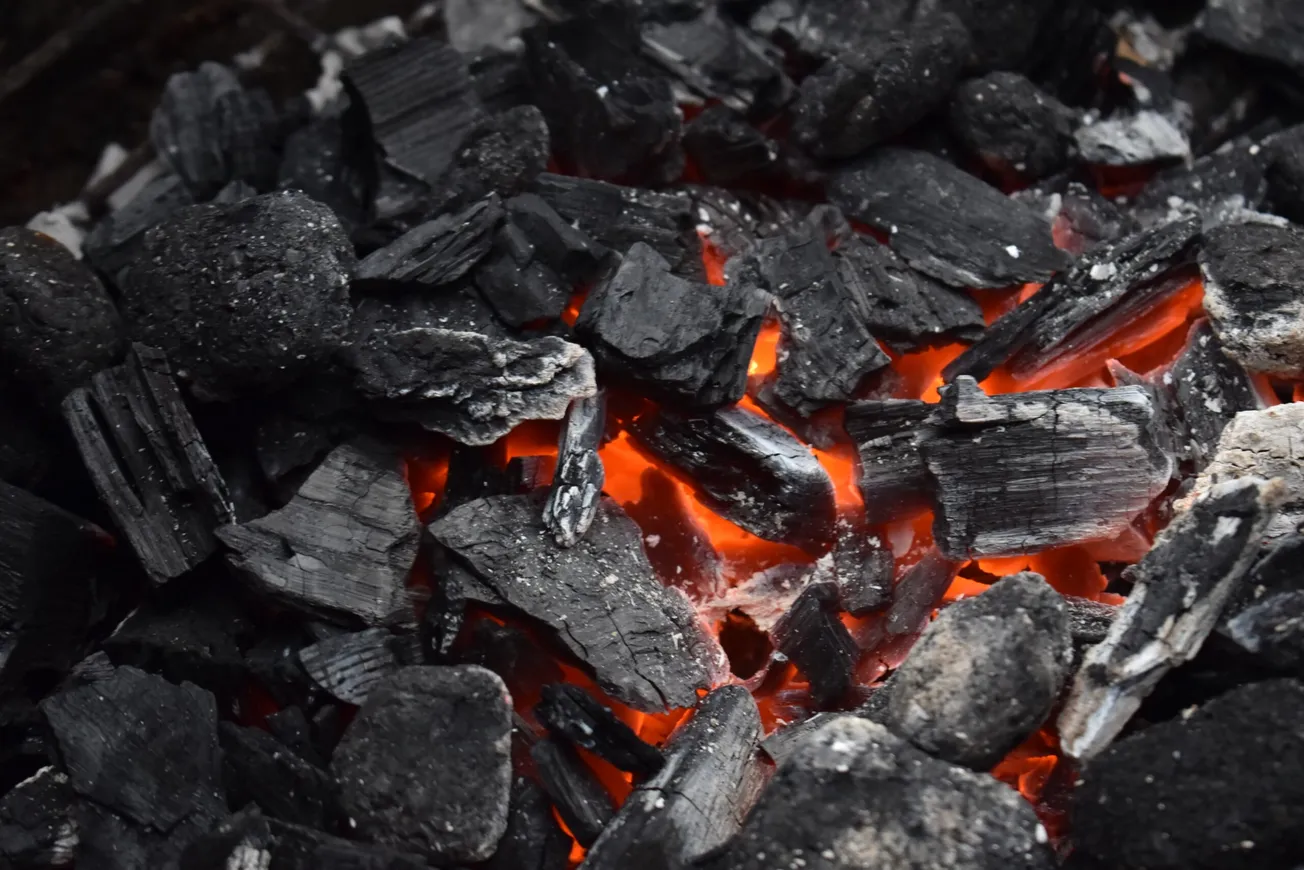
point(862, 570)
point(919, 592)
point(249, 841)
point(1222, 187)
point(1284, 173)
point(571, 713)
point(1268, 30)
point(114, 243)
point(36, 824)
point(350, 665)
point(1014, 127)
point(1210, 389)
point(198, 639)
point(559, 244)
point(521, 288)
point(438, 251)
point(330, 160)
point(726, 149)
point(893, 478)
point(814, 639)
point(578, 796)
point(577, 484)
point(533, 840)
point(1273, 630)
point(1132, 139)
point(503, 154)
point(257, 768)
point(818, 29)
point(1003, 35)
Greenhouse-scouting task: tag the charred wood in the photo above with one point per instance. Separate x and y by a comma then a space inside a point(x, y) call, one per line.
point(503, 154)
point(918, 592)
point(814, 639)
point(438, 251)
point(893, 478)
point(571, 713)
point(1209, 389)
point(862, 570)
point(1225, 186)
point(566, 249)
point(36, 822)
point(350, 665)
point(1016, 129)
point(727, 149)
point(576, 489)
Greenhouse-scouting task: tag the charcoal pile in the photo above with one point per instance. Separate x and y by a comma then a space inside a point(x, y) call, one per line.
point(683, 434)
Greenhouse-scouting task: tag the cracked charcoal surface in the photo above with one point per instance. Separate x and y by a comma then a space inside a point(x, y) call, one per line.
point(559, 244)
point(600, 597)
point(576, 489)
point(426, 765)
point(893, 478)
point(1013, 126)
point(242, 298)
point(438, 251)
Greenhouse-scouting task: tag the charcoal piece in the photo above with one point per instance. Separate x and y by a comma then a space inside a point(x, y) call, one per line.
point(570, 712)
point(945, 222)
point(1210, 389)
point(533, 840)
point(350, 665)
point(751, 471)
point(291, 727)
point(1015, 128)
point(1089, 621)
point(511, 654)
point(1082, 219)
point(455, 307)
point(718, 60)
point(111, 841)
point(149, 464)
point(818, 29)
point(1273, 630)
point(726, 149)
point(685, 340)
point(918, 592)
point(521, 289)
point(343, 545)
point(780, 743)
point(419, 102)
point(197, 639)
point(865, 96)
point(1003, 36)
point(36, 824)
point(1132, 139)
point(1022, 472)
point(475, 24)
point(814, 639)
point(851, 794)
point(425, 766)
point(1284, 173)
point(559, 244)
point(577, 484)
point(984, 675)
point(326, 160)
point(1271, 30)
point(114, 243)
point(249, 841)
point(472, 387)
point(712, 777)
point(610, 113)
point(438, 251)
point(286, 442)
point(1255, 297)
point(141, 748)
point(575, 791)
point(273, 663)
point(251, 323)
point(1145, 801)
point(600, 597)
point(257, 768)
point(503, 153)
point(862, 570)
point(1181, 587)
point(1218, 188)
point(1083, 305)
point(893, 478)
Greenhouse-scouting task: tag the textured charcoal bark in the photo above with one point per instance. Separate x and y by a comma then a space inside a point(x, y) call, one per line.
point(36, 825)
point(852, 795)
point(984, 675)
point(58, 326)
point(576, 793)
point(945, 222)
point(893, 478)
point(1209, 389)
point(576, 489)
point(570, 712)
point(684, 340)
point(1089, 621)
point(426, 764)
point(1132, 139)
point(350, 665)
point(438, 251)
point(533, 840)
point(472, 387)
point(343, 545)
point(1181, 587)
point(259, 769)
point(1271, 30)
point(1082, 306)
point(1254, 293)
point(814, 639)
point(1146, 800)
point(252, 323)
point(749, 470)
point(149, 464)
point(726, 149)
point(1023, 472)
point(642, 641)
point(712, 777)
point(1014, 127)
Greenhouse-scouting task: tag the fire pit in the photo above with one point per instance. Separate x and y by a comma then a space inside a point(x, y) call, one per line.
point(672, 434)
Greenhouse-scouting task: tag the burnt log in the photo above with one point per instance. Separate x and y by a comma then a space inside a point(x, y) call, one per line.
point(893, 478)
point(918, 593)
point(571, 713)
point(577, 484)
point(438, 251)
point(814, 639)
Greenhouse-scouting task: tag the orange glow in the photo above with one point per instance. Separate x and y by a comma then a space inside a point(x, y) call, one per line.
point(577, 851)
point(919, 373)
point(572, 312)
point(426, 479)
point(713, 260)
point(963, 587)
point(765, 355)
point(1028, 769)
point(1070, 570)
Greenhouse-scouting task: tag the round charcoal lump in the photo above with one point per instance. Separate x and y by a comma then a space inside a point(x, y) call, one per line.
point(243, 297)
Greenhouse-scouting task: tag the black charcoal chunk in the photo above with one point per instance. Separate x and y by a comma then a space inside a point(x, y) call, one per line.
point(1082, 218)
point(1210, 389)
point(1222, 187)
point(580, 799)
point(577, 484)
point(1089, 620)
point(331, 161)
point(149, 464)
point(472, 387)
point(749, 470)
point(571, 713)
point(249, 841)
point(919, 592)
point(438, 251)
point(1022, 472)
point(712, 777)
point(37, 828)
point(1284, 173)
point(852, 795)
point(893, 478)
point(879, 89)
point(718, 60)
point(419, 101)
point(252, 321)
point(196, 639)
point(642, 641)
point(726, 149)
point(1217, 787)
point(945, 222)
point(343, 545)
point(1132, 139)
point(862, 570)
point(503, 153)
point(350, 665)
point(814, 639)
point(558, 243)
point(257, 768)
point(1272, 629)
point(115, 241)
point(1015, 128)
point(1004, 35)
point(290, 725)
point(1181, 587)
point(1271, 30)
point(514, 279)
point(58, 326)
point(426, 764)
point(685, 340)
point(1254, 294)
point(817, 29)
point(533, 840)
point(984, 675)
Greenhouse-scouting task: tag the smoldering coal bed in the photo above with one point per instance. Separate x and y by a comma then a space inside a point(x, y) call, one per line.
point(673, 434)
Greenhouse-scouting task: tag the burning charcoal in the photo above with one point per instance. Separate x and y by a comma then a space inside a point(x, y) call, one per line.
point(1010, 124)
point(1210, 390)
point(1146, 800)
point(599, 596)
point(751, 471)
point(419, 102)
point(1284, 173)
point(520, 288)
point(149, 463)
point(726, 149)
point(919, 592)
point(350, 665)
point(115, 241)
point(1180, 589)
point(562, 247)
point(1083, 219)
point(686, 340)
point(328, 160)
point(1255, 296)
point(1132, 139)
point(1022, 472)
point(984, 675)
point(425, 765)
point(762, 598)
point(945, 222)
point(1218, 188)
point(36, 826)
point(713, 775)
point(853, 795)
point(863, 573)
point(609, 112)
point(893, 479)
point(534, 840)
point(717, 60)
point(438, 251)
point(1263, 29)
point(343, 545)
point(814, 639)
point(472, 387)
point(257, 768)
point(1089, 621)
point(58, 326)
point(879, 89)
point(570, 712)
point(577, 485)
point(579, 797)
point(250, 323)
point(454, 307)
point(1082, 306)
